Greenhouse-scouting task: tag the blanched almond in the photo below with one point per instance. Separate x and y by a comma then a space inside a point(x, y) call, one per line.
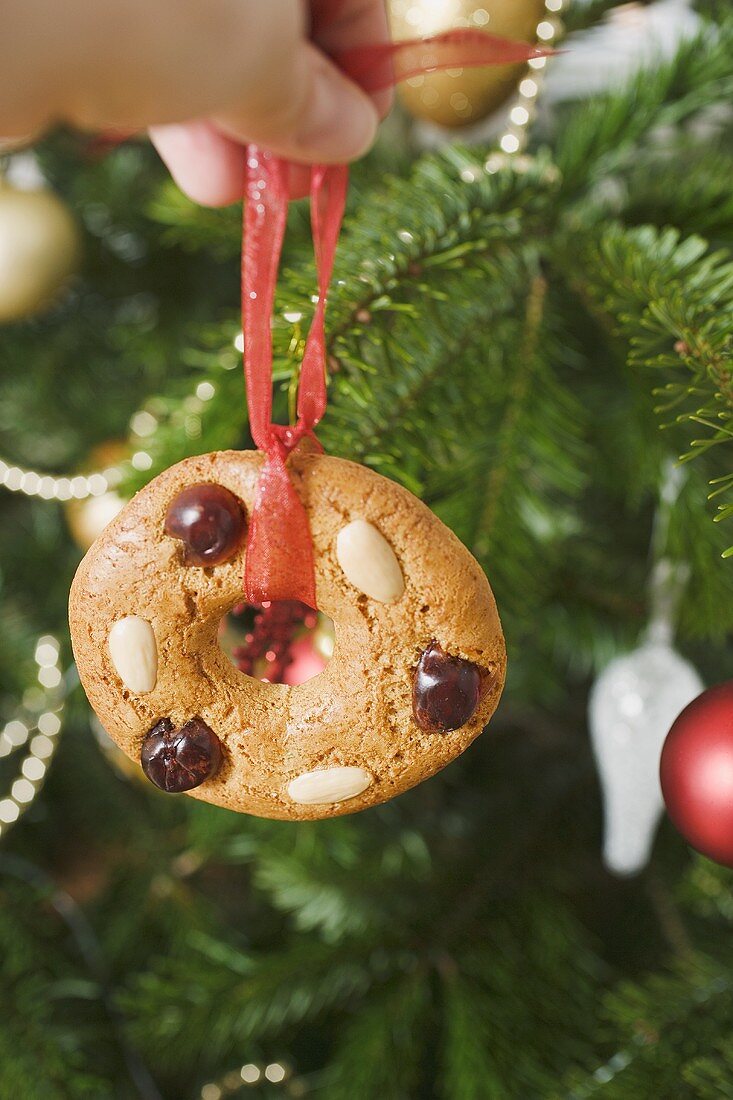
point(134, 653)
point(328, 785)
point(369, 562)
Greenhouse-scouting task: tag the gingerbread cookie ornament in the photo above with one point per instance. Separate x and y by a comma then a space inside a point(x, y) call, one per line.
point(416, 673)
point(419, 658)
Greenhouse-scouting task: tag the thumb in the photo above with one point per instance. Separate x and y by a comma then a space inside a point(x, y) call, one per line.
point(315, 115)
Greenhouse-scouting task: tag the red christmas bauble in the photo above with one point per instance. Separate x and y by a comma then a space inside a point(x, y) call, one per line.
point(697, 773)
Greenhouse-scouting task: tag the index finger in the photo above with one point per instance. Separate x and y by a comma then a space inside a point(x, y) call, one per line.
point(343, 24)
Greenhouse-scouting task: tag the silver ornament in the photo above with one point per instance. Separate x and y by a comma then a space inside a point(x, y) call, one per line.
point(632, 706)
point(636, 699)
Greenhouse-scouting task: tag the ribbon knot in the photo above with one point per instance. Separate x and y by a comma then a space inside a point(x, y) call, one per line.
point(286, 437)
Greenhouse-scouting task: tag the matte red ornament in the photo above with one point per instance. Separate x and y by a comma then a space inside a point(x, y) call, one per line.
point(697, 773)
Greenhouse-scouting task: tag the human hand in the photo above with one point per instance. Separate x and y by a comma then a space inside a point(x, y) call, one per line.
point(205, 76)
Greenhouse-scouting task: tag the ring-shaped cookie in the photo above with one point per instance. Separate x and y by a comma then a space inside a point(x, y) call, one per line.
point(145, 622)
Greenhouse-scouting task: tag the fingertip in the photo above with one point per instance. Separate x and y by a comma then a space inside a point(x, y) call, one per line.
point(207, 166)
point(338, 121)
point(321, 117)
point(349, 26)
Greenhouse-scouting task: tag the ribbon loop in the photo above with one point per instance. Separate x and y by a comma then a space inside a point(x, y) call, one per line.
point(328, 201)
point(279, 564)
point(265, 217)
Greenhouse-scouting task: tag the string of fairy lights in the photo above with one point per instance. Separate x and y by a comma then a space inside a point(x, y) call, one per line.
point(522, 112)
point(34, 732)
point(253, 1075)
point(143, 424)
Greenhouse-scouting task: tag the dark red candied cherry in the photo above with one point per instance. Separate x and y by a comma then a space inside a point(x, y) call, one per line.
point(179, 760)
point(209, 521)
point(445, 690)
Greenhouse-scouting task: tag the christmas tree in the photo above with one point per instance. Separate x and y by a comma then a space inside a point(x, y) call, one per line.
point(527, 342)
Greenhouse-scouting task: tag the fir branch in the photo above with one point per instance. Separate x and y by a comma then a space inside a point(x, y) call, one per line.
point(710, 1076)
point(686, 185)
point(399, 253)
point(682, 1004)
point(671, 301)
point(508, 437)
point(580, 17)
point(170, 1006)
point(603, 135)
point(41, 1062)
point(469, 1070)
point(380, 1051)
point(196, 228)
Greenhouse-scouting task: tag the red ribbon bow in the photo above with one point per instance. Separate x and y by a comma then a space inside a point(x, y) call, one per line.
point(279, 563)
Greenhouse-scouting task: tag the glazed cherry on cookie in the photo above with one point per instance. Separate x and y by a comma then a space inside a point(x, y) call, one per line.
point(179, 760)
point(209, 521)
point(445, 692)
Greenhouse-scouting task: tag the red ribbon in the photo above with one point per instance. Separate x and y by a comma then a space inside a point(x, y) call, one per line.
point(279, 562)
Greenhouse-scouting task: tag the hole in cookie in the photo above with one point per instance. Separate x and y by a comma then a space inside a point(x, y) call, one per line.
point(283, 642)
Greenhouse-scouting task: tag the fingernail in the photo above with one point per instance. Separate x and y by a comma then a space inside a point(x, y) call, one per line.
point(341, 121)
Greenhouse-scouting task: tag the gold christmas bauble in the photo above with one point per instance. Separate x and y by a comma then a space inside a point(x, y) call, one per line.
point(87, 518)
point(463, 97)
point(39, 249)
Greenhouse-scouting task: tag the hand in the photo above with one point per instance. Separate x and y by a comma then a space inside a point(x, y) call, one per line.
point(205, 76)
